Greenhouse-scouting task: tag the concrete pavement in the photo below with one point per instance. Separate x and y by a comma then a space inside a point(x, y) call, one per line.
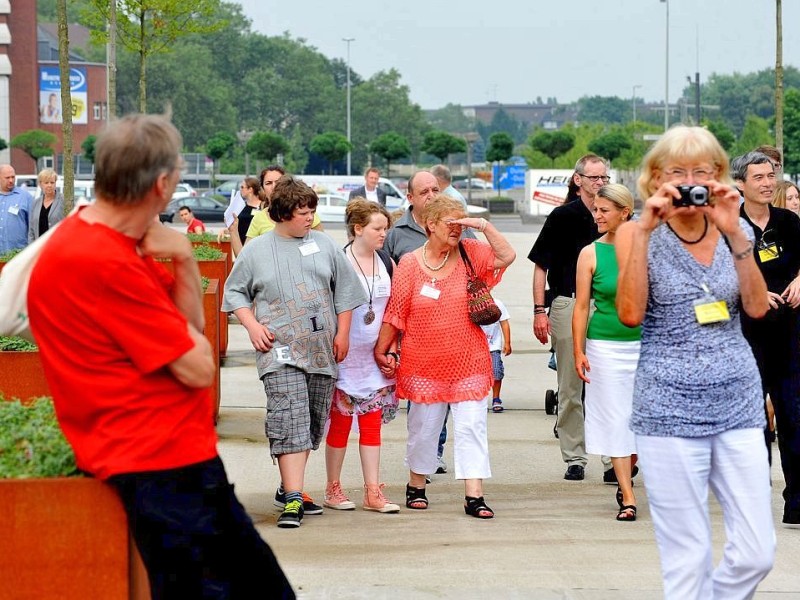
point(550, 539)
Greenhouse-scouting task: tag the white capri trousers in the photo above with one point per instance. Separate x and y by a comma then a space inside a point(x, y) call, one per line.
point(677, 475)
point(470, 439)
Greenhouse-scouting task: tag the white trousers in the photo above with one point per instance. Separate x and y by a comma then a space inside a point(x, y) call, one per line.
point(677, 474)
point(470, 439)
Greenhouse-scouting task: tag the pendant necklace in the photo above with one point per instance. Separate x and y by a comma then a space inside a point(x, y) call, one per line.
point(690, 242)
point(369, 316)
point(425, 260)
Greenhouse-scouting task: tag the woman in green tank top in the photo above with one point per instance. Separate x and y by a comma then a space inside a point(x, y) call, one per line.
point(607, 346)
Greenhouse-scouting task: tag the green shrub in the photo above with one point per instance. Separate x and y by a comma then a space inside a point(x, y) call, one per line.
point(202, 237)
point(16, 344)
point(7, 256)
point(205, 281)
point(206, 252)
point(31, 441)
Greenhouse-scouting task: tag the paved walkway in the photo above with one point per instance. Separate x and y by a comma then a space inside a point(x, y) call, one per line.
point(551, 539)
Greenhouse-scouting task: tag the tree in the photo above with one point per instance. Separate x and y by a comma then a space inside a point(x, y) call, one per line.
point(331, 146)
point(390, 146)
point(791, 132)
point(266, 145)
point(503, 121)
point(442, 144)
point(501, 147)
point(611, 145)
point(217, 146)
point(36, 143)
point(66, 100)
point(451, 118)
point(552, 143)
point(88, 147)
point(3, 144)
point(722, 132)
point(147, 27)
point(603, 109)
point(779, 75)
point(755, 133)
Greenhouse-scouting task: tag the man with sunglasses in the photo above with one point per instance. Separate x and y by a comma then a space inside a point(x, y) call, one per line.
point(775, 339)
point(566, 231)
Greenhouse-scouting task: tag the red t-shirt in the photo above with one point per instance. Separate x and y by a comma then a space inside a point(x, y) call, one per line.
point(194, 224)
point(107, 329)
point(444, 356)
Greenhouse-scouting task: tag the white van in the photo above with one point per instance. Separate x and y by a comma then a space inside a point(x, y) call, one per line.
point(342, 185)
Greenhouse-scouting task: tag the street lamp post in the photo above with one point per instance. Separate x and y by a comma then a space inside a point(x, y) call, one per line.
point(633, 100)
point(348, 40)
point(666, 70)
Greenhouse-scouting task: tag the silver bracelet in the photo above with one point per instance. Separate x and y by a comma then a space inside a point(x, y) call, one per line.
point(484, 223)
point(744, 253)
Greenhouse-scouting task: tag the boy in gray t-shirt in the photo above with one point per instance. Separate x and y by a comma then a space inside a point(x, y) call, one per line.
point(304, 291)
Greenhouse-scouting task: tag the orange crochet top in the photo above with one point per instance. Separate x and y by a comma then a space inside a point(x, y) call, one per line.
point(445, 357)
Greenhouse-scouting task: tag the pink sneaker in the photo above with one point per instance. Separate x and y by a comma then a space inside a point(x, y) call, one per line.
point(335, 498)
point(375, 500)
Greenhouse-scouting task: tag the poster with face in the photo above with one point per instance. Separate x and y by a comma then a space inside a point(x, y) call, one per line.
point(50, 110)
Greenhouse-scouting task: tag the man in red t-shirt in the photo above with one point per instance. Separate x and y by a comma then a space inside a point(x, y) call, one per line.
point(194, 225)
point(129, 368)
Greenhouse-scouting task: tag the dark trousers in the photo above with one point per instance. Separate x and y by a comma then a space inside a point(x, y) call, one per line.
point(775, 341)
point(195, 538)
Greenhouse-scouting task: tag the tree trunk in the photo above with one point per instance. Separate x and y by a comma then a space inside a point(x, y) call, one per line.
point(112, 60)
point(779, 77)
point(142, 64)
point(66, 105)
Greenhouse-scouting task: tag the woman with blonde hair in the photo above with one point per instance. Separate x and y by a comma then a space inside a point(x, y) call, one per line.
point(686, 270)
point(611, 348)
point(445, 356)
point(47, 208)
point(787, 195)
point(362, 390)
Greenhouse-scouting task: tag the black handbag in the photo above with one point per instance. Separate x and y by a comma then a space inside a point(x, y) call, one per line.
point(480, 304)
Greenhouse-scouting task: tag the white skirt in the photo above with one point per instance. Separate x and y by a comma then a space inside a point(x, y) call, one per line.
point(609, 397)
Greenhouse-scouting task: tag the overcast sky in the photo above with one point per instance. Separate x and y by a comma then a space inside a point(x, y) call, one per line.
point(471, 52)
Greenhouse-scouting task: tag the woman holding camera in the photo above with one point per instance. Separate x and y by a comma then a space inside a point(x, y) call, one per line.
point(685, 269)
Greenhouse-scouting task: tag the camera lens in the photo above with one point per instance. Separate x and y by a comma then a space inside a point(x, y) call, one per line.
point(699, 195)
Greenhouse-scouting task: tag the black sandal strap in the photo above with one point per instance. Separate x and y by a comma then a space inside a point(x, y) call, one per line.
point(475, 506)
point(415, 496)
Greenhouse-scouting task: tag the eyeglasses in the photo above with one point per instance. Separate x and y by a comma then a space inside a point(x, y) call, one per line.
point(697, 174)
point(596, 178)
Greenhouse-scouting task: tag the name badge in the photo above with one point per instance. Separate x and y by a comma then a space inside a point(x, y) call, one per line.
point(282, 354)
point(714, 311)
point(430, 292)
point(709, 310)
point(768, 253)
point(14, 210)
point(382, 290)
point(309, 248)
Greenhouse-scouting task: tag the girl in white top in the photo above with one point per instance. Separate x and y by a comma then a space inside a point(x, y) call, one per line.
point(362, 389)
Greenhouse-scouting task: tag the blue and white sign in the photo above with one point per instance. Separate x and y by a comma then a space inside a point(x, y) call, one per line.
point(509, 176)
point(50, 95)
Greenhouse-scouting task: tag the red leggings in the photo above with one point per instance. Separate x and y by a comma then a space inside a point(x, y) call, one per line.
point(369, 426)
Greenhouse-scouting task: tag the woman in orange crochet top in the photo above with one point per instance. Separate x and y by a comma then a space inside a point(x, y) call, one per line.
point(445, 357)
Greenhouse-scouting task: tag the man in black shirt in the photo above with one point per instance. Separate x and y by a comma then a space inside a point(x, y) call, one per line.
point(775, 339)
point(566, 231)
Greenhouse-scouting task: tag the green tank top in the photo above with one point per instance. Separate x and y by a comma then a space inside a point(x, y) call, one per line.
point(605, 324)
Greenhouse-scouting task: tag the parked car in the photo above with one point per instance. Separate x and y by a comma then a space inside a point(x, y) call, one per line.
point(205, 208)
point(226, 188)
point(331, 207)
point(477, 184)
point(184, 190)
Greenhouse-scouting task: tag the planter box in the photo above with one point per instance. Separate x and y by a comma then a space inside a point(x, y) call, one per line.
point(211, 312)
point(214, 269)
point(496, 207)
point(67, 538)
point(22, 376)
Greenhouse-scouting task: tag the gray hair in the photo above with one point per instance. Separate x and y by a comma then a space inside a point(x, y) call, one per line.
point(132, 153)
point(740, 164)
point(441, 172)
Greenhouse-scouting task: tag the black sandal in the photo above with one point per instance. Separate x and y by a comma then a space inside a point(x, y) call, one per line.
point(415, 496)
point(476, 507)
point(627, 513)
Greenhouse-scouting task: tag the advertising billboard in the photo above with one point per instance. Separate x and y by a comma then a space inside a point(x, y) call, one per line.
point(50, 95)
